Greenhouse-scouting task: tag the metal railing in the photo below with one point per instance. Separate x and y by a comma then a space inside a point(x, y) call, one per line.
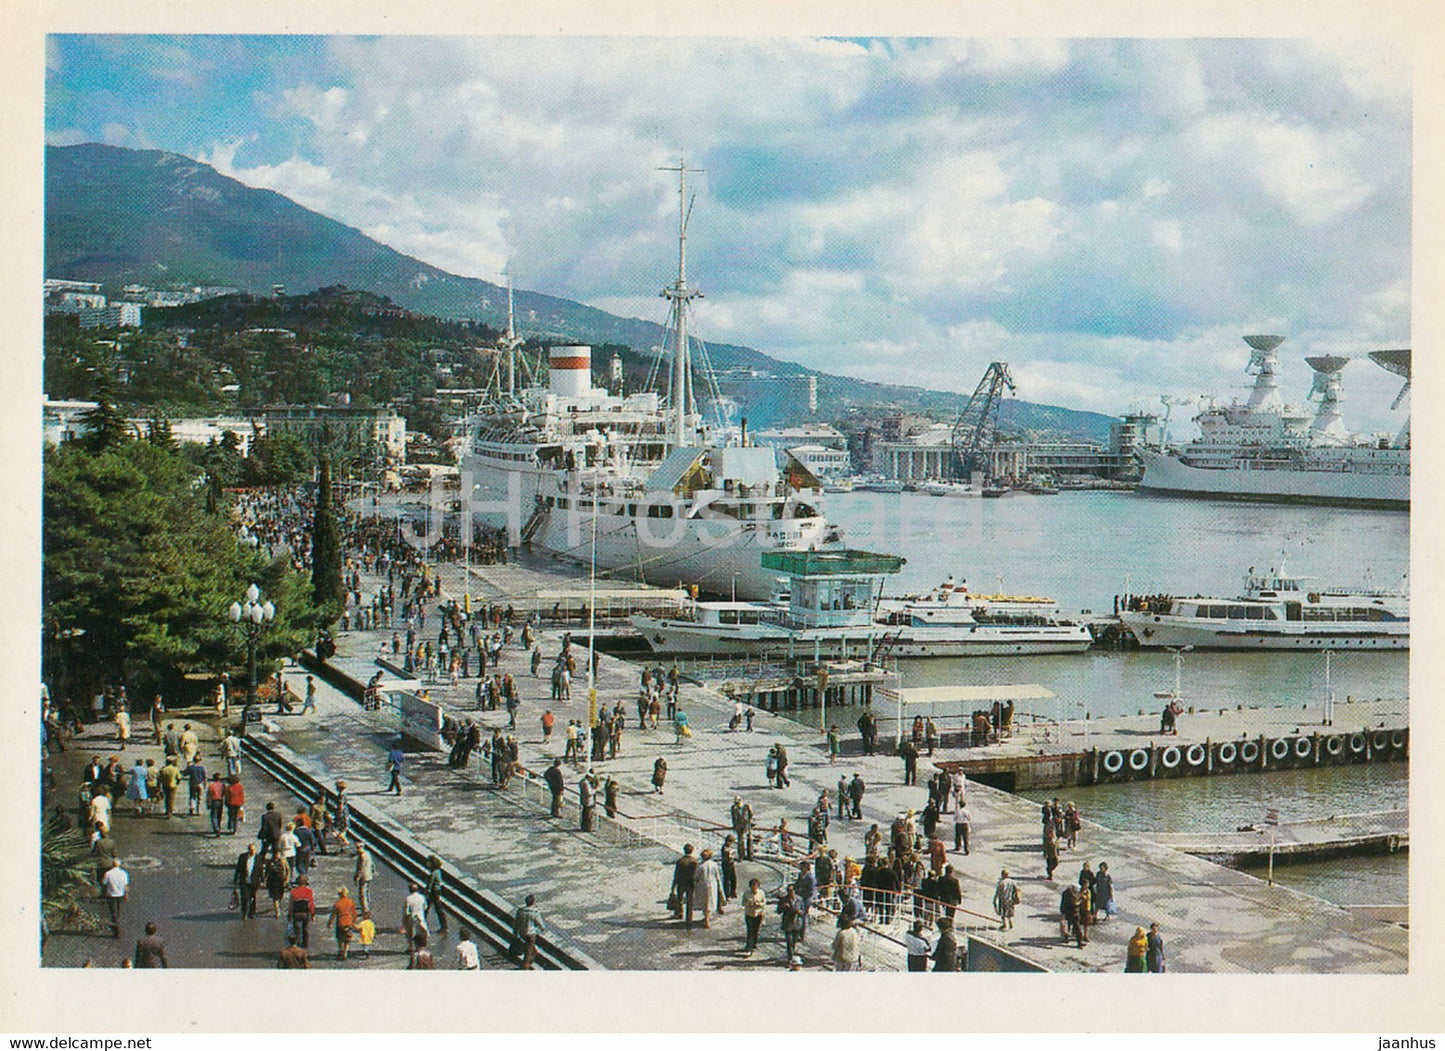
point(490, 916)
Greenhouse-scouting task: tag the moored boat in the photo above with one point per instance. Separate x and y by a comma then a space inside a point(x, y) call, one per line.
point(1275, 612)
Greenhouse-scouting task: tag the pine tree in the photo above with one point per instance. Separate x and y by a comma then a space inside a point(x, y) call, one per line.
point(326, 546)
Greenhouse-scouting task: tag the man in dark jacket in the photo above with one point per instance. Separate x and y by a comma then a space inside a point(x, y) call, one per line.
point(856, 788)
point(684, 876)
point(556, 784)
point(945, 953)
point(270, 832)
point(246, 878)
point(950, 892)
point(150, 951)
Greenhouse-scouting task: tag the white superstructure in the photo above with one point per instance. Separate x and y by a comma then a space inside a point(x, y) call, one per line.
point(948, 621)
point(1262, 449)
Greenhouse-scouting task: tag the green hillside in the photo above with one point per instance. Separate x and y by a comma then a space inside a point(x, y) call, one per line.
point(119, 216)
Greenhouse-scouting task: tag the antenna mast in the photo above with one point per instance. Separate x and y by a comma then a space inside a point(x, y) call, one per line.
point(680, 295)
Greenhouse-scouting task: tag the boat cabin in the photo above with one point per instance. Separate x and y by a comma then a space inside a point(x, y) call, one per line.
point(831, 589)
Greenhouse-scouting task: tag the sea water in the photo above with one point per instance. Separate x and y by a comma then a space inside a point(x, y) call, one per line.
point(1083, 550)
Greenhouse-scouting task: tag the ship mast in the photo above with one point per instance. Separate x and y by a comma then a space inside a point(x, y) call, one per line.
point(680, 295)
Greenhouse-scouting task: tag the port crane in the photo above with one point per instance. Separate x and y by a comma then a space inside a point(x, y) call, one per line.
point(976, 429)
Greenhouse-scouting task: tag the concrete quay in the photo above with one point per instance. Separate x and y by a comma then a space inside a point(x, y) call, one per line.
point(605, 891)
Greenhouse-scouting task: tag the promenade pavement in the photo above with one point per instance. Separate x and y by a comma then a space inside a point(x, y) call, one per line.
point(181, 877)
point(610, 899)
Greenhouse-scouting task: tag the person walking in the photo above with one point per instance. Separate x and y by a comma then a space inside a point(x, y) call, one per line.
point(301, 911)
point(309, 705)
point(755, 904)
point(609, 797)
point(783, 781)
point(1135, 953)
point(684, 880)
point(150, 951)
point(856, 789)
point(135, 789)
point(709, 881)
point(847, 948)
point(343, 922)
point(556, 784)
point(246, 878)
point(742, 819)
point(216, 802)
point(659, 774)
point(1103, 892)
point(527, 925)
point(231, 753)
point(586, 803)
point(394, 758)
point(115, 889)
point(235, 797)
point(1070, 922)
point(433, 891)
point(790, 915)
point(468, 958)
point(1005, 900)
point(1154, 950)
point(909, 751)
point(195, 774)
point(835, 747)
point(413, 914)
point(1051, 852)
point(363, 874)
point(170, 780)
point(962, 822)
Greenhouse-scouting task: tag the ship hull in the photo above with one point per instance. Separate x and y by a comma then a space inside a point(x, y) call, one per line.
point(685, 637)
point(721, 557)
point(1167, 475)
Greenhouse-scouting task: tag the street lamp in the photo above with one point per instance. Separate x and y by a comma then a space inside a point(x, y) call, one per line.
point(1179, 653)
point(250, 617)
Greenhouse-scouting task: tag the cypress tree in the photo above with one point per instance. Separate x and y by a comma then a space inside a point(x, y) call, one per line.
point(326, 546)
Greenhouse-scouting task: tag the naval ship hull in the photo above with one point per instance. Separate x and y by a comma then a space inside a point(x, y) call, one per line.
point(1169, 476)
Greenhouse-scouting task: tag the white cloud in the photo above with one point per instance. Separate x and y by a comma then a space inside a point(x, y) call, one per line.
point(1108, 216)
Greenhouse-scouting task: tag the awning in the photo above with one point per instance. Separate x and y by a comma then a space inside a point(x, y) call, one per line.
point(923, 695)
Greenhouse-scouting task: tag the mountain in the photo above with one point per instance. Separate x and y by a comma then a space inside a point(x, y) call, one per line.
point(120, 216)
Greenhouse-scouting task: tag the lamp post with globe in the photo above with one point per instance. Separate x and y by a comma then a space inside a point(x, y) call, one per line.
point(250, 615)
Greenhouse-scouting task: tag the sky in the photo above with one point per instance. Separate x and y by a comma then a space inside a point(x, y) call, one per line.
point(1107, 216)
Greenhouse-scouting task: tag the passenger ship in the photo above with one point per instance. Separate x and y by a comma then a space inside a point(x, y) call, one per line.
point(1276, 612)
point(633, 481)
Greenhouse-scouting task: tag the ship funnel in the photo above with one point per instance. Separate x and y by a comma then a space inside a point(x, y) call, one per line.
point(571, 369)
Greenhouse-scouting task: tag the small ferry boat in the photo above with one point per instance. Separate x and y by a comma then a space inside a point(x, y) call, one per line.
point(1276, 612)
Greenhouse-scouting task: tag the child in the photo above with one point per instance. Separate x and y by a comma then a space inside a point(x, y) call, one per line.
point(366, 931)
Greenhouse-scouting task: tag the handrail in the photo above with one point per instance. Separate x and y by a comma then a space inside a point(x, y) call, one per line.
point(486, 913)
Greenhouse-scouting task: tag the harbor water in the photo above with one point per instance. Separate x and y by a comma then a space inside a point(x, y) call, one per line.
point(1083, 549)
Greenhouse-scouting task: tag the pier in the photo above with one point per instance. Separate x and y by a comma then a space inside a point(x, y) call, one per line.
point(1339, 835)
point(604, 892)
point(1047, 754)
